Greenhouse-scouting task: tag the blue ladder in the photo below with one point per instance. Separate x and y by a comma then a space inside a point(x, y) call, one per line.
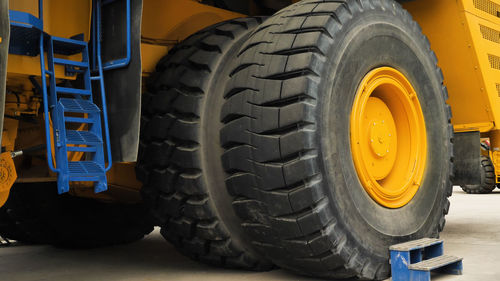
point(414, 260)
point(70, 108)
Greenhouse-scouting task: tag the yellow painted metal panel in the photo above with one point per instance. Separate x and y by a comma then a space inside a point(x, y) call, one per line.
point(466, 37)
point(62, 18)
point(486, 42)
point(27, 66)
point(151, 55)
point(167, 22)
point(177, 19)
point(27, 6)
point(454, 36)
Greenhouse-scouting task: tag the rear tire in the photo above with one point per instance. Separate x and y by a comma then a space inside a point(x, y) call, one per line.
point(287, 141)
point(35, 213)
point(179, 157)
point(488, 179)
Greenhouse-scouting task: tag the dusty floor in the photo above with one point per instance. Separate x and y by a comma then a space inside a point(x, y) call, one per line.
point(472, 231)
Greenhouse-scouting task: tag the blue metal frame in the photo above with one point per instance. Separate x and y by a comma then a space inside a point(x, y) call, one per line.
point(81, 101)
point(401, 261)
point(24, 33)
point(40, 11)
point(24, 20)
point(46, 111)
point(103, 95)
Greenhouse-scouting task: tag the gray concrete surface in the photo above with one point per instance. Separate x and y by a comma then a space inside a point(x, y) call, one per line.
point(472, 231)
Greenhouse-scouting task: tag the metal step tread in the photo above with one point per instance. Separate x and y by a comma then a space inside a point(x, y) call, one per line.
point(415, 244)
point(81, 148)
point(85, 168)
point(434, 263)
point(66, 46)
point(73, 91)
point(69, 41)
point(78, 105)
point(71, 62)
point(86, 178)
point(70, 119)
point(82, 137)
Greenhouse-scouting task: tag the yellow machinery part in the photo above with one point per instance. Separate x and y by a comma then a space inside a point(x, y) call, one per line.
point(9, 134)
point(465, 34)
point(7, 176)
point(8, 173)
point(494, 152)
point(166, 23)
point(61, 18)
point(388, 137)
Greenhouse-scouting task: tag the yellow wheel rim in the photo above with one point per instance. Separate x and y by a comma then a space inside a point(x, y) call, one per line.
point(388, 137)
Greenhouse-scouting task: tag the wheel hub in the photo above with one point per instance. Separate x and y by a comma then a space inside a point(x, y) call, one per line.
point(388, 138)
point(379, 122)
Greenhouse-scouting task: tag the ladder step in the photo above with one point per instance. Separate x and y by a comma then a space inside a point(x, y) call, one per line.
point(78, 106)
point(434, 263)
point(69, 119)
point(81, 148)
point(82, 178)
point(79, 101)
point(416, 244)
point(82, 137)
point(73, 91)
point(71, 62)
point(85, 169)
point(67, 47)
point(69, 41)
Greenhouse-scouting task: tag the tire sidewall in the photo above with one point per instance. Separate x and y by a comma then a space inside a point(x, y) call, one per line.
point(367, 42)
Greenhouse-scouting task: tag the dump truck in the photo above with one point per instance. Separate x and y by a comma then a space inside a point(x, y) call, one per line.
point(307, 135)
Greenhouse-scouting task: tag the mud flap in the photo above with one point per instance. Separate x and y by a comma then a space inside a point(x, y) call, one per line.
point(467, 158)
point(123, 85)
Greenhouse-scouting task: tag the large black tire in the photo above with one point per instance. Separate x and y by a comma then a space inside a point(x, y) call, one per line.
point(287, 141)
point(488, 179)
point(179, 158)
point(35, 213)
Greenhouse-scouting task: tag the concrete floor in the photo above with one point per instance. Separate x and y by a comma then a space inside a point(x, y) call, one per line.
point(472, 231)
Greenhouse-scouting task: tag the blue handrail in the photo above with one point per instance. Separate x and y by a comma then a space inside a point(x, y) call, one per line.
point(43, 72)
point(40, 12)
point(103, 93)
point(48, 138)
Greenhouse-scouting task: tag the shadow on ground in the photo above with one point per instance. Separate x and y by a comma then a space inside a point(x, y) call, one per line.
point(472, 231)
